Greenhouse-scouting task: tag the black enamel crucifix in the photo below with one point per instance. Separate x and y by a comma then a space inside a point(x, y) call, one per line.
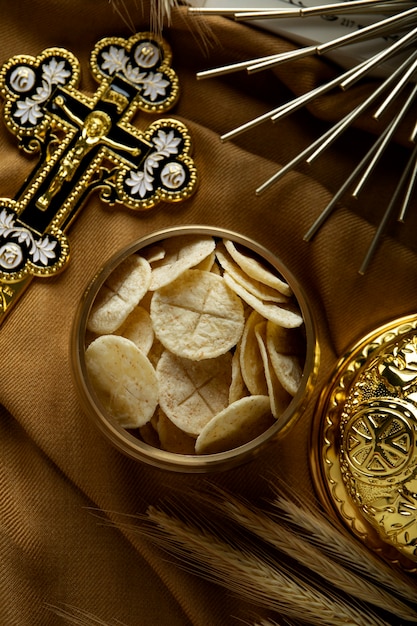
point(86, 143)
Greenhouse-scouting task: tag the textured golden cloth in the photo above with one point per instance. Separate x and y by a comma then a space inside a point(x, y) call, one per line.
point(56, 470)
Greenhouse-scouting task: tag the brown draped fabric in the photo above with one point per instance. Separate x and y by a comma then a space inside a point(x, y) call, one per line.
point(60, 481)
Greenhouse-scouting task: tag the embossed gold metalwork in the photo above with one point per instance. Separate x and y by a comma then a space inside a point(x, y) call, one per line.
point(364, 448)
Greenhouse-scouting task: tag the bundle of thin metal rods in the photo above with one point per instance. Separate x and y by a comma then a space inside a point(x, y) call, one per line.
point(397, 18)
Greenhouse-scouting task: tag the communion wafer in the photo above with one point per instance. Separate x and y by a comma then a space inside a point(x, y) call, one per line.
point(207, 264)
point(197, 316)
point(256, 270)
point(138, 328)
point(239, 423)
point(121, 292)
point(251, 363)
point(172, 438)
point(286, 340)
point(255, 287)
point(237, 387)
point(123, 379)
point(274, 312)
point(154, 253)
point(192, 392)
point(149, 435)
point(181, 253)
point(287, 369)
point(217, 362)
point(279, 397)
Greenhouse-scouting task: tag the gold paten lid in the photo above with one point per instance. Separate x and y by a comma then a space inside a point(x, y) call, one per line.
point(364, 449)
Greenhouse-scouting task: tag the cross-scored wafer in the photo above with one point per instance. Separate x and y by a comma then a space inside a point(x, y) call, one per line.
point(197, 316)
point(172, 438)
point(192, 392)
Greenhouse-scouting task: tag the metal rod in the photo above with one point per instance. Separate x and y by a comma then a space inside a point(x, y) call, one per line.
point(232, 67)
point(325, 140)
point(371, 29)
point(283, 57)
point(295, 161)
point(323, 9)
point(216, 10)
point(376, 155)
point(410, 187)
point(284, 109)
point(387, 136)
point(262, 63)
point(330, 207)
point(354, 114)
point(248, 125)
point(413, 135)
point(304, 99)
point(399, 86)
point(311, 95)
point(383, 56)
point(358, 35)
point(388, 212)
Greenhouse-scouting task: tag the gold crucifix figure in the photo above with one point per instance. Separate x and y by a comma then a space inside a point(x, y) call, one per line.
point(87, 143)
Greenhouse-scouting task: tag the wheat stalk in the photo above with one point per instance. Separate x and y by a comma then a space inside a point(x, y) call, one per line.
point(160, 10)
point(252, 576)
point(120, 8)
point(298, 529)
point(80, 617)
point(331, 540)
point(296, 547)
point(267, 622)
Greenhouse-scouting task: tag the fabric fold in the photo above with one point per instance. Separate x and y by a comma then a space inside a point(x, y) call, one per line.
point(54, 464)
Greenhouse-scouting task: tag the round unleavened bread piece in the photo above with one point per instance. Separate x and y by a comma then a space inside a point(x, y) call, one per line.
point(181, 253)
point(237, 388)
point(279, 397)
point(123, 378)
point(274, 312)
point(149, 435)
point(153, 253)
point(255, 287)
point(286, 340)
point(192, 392)
point(256, 270)
point(286, 366)
point(197, 316)
point(251, 364)
point(207, 264)
point(239, 423)
point(121, 292)
point(172, 438)
point(138, 328)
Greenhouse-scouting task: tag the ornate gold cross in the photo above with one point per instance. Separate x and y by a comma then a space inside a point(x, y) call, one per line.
point(86, 143)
